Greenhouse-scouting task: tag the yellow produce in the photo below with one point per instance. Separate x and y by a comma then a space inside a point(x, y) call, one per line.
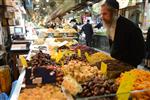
point(99, 56)
point(142, 82)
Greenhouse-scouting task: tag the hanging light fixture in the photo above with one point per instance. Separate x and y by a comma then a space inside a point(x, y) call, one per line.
point(37, 0)
point(47, 0)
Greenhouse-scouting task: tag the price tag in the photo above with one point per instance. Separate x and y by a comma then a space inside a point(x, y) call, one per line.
point(23, 61)
point(104, 68)
point(126, 85)
point(87, 56)
point(79, 53)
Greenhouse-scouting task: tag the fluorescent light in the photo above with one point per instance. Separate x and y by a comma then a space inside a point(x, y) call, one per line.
point(37, 0)
point(47, 0)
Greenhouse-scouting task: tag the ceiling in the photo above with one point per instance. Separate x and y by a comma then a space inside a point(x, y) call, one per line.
point(46, 10)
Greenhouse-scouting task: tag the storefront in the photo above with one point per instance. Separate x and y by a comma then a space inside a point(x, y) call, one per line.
point(47, 58)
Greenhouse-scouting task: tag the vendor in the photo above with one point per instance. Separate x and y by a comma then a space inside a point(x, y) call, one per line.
point(126, 40)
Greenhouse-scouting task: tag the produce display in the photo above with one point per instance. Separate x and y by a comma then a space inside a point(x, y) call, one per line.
point(59, 77)
point(66, 30)
point(50, 30)
point(72, 42)
point(81, 71)
point(83, 49)
point(39, 41)
point(99, 56)
point(116, 65)
point(142, 82)
point(98, 86)
point(71, 85)
point(46, 92)
point(77, 69)
point(40, 60)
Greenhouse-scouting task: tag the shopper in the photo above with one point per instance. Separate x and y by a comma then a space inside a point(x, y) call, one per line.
point(147, 60)
point(74, 24)
point(126, 40)
point(99, 25)
point(88, 30)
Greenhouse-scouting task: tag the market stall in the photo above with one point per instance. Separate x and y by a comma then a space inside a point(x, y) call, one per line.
point(69, 70)
point(50, 63)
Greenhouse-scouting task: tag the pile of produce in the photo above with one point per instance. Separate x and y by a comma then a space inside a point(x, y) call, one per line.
point(59, 77)
point(98, 57)
point(73, 56)
point(46, 92)
point(50, 30)
point(63, 48)
point(76, 68)
point(71, 85)
point(72, 42)
point(39, 41)
point(70, 30)
point(142, 82)
point(83, 49)
point(116, 65)
point(98, 86)
point(40, 60)
point(81, 71)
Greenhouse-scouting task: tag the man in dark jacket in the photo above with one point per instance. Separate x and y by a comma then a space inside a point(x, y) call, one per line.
point(88, 30)
point(126, 40)
point(148, 41)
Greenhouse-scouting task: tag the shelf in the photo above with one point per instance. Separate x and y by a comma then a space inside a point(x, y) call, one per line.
point(7, 25)
point(6, 6)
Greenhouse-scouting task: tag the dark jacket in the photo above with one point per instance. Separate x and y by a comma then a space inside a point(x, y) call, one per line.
point(99, 25)
point(148, 41)
point(128, 45)
point(88, 30)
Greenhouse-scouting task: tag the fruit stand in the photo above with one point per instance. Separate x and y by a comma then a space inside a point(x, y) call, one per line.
point(67, 70)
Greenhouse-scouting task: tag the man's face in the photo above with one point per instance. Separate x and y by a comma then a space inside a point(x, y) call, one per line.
point(106, 15)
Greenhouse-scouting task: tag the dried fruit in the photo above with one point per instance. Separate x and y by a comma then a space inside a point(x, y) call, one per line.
point(98, 86)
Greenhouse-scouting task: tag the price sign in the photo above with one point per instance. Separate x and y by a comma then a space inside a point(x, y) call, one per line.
point(23, 61)
point(87, 56)
point(79, 53)
point(126, 85)
point(104, 68)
